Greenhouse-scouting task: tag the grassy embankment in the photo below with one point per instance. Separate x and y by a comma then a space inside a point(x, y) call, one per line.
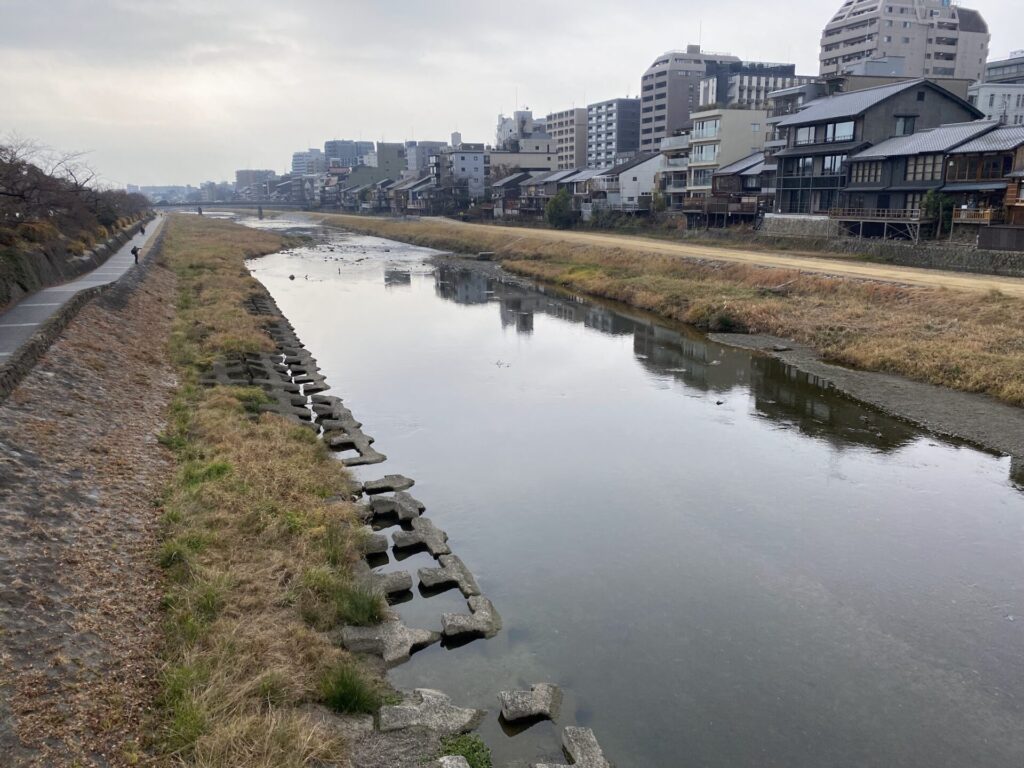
point(257, 556)
point(968, 341)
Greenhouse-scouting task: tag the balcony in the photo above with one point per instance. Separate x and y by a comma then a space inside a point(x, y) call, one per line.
point(878, 214)
point(982, 216)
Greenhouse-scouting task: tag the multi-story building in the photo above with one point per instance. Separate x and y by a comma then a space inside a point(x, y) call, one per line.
point(746, 84)
point(720, 137)
point(524, 154)
point(822, 135)
point(670, 91)
point(346, 153)
point(1009, 70)
point(387, 161)
point(521, 125)
point(675, 153)
point(309, 161)
point(461, 172)
point(613, 129)
point(417, 156)
point(1003, 102)
point(252, 178)
point(933, 38)
point(568, 129)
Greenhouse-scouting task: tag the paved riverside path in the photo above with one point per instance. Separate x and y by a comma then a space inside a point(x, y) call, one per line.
point(19, 322)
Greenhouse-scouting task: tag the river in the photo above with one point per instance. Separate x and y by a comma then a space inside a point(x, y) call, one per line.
point(722, 562)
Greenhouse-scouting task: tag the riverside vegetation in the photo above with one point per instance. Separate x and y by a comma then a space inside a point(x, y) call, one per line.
point(970, 341)
point(256, 547)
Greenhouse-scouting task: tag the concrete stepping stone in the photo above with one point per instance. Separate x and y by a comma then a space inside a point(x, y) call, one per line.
point(451, 762)
point(388, 583)
point(427, 708)
point(581, 746)
point(404, 506)
point(373, 543)
point(423, 534)
point(388, 483)
point(452, 571)
point(369, 456)
point(542, 700)
point(392, 640)
point(483, 620)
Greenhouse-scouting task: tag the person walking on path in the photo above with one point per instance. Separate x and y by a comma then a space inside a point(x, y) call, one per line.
point(135, 253)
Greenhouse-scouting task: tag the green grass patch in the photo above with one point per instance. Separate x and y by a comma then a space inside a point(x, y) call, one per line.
point(469, 746)
point(345, 689)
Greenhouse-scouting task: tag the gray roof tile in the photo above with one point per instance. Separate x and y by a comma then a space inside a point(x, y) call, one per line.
point(941, 139)
point(1004, 139)
point(848, 104)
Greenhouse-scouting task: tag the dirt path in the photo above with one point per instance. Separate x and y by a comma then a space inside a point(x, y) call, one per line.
point(80, 468)
point(932, 278)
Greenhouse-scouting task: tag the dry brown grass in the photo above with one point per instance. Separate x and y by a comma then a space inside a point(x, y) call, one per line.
point(250, 513)
point(969, 341)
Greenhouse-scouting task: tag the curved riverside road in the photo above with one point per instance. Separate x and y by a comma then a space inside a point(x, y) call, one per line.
point(19, 322)
point(838, 266)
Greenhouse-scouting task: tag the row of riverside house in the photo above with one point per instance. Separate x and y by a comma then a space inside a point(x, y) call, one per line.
point(904, 133)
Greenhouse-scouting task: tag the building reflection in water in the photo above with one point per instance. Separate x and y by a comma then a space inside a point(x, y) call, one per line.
point(781, 393)
point(397, 277)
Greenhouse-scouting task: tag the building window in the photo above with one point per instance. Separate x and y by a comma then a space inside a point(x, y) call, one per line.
point(832, 165)
point(867, 173)
point(835, 132)
point(914, 200)
point(924, 168)
point(805, 135)
point(905, 125)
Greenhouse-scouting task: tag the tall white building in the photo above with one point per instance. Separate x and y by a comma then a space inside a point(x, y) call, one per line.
point(999, 101)
point(311, 160)
point(927, 38)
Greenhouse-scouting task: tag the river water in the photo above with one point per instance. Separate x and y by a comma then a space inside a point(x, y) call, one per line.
point(719, 560)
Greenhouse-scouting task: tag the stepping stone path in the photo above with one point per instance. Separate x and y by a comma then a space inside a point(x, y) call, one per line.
point(392, 641)
point(452, 571)
point(542, 700)
point(424, 533)
point(386, 484)
point(390, 583)
point(484, 620)
point(581, 746)
point(429, 709)
point(401, 504)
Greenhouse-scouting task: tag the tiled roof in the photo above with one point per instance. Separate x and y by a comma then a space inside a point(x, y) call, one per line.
point(1004, 139)
point(741, 165)
point(847, 104)
point(941, 139)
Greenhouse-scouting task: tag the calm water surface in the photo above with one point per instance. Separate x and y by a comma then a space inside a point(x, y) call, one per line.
point(721, 562)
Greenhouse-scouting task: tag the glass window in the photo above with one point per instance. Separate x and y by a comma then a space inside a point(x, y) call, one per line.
point(867, 173)
point(805, 135)
point(924, 168)
point(839, 131)
point(905, 125)
point(832, 165)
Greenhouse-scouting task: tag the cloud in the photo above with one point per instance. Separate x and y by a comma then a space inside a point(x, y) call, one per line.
point(186, 90)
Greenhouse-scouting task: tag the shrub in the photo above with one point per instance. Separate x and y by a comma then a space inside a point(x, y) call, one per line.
point(558, 212)
point(469, 746)
point(344, 689)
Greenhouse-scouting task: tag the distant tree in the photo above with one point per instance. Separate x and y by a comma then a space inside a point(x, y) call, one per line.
point(558, 211)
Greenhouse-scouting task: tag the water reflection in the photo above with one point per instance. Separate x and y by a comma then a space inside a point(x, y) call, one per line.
point(781, 393)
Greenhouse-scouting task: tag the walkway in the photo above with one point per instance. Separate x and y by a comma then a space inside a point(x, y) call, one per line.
point(19, 322)
point(821, 263)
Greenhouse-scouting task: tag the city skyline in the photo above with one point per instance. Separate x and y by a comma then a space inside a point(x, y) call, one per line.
point(177, 93)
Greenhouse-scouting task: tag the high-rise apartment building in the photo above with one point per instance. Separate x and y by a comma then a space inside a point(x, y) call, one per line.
point(922, 38)
point(613, 130)
point(250, 177)
point(309, 161)
point(345, 152)
point(670, 91)
point(568, 129)
point(746, 84)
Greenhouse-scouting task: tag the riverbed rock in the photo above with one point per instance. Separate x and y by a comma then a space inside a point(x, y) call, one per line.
point(392, 640)
point(369, 456)
point(423, 534)
point(542, 700)
point(581, 746)
point(427, 708)
point(388, 483)
point(457, 761)
point(452, 571)
point(387, 583)
point(483, 620)
point(401, 504)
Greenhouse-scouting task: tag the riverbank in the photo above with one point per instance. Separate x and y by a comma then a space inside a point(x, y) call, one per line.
point(958, 331)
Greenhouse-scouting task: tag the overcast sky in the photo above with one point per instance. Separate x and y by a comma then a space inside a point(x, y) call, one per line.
point(182, 91)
